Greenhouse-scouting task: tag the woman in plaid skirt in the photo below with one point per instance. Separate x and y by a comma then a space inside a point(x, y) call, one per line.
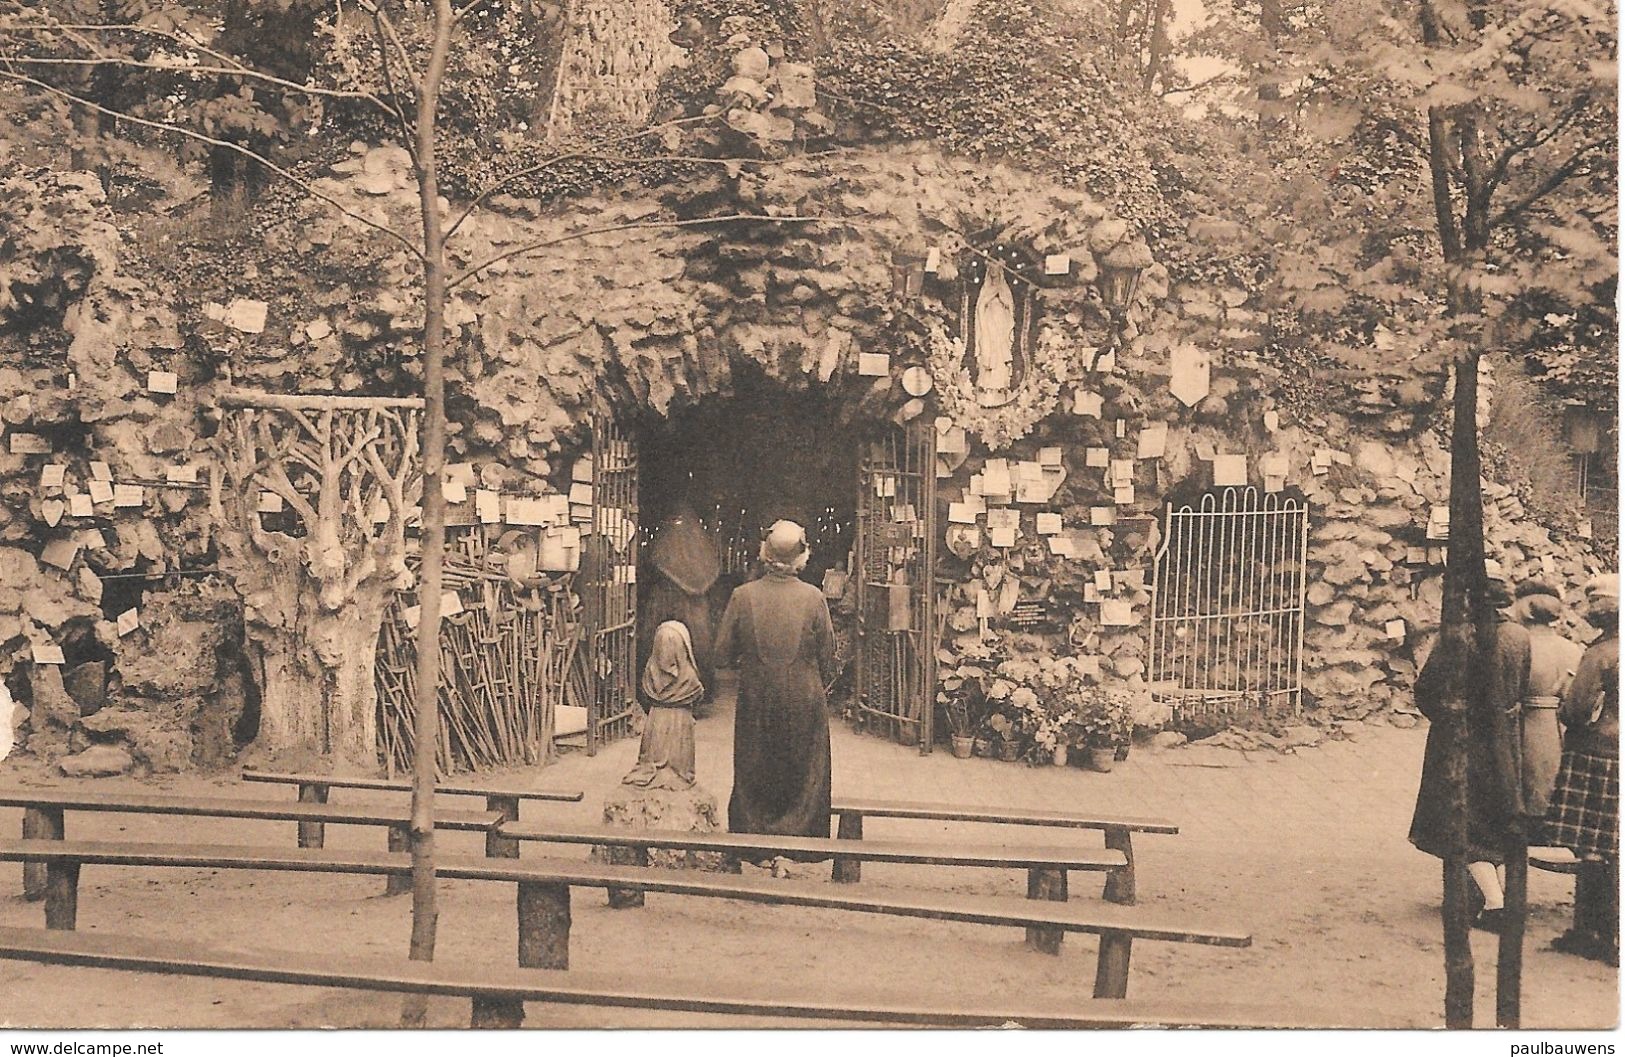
point(1584, 811)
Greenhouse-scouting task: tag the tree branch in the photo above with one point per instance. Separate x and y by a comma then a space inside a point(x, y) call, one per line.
point(407, 135)
point(103, 59)
point(531, 247)
point(1555, 179)
point(468, 10)
point(394, 38)
point(164, 126)
point(1539, 138)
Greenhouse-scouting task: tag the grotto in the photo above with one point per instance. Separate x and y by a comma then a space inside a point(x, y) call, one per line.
point(979, 388)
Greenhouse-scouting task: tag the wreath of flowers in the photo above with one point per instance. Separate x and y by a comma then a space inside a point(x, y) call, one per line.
point(1035, 397)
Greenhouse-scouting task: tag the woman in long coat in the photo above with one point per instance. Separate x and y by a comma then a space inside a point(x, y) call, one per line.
point(1494, 787)
point(1553, 661)
point(778, 630)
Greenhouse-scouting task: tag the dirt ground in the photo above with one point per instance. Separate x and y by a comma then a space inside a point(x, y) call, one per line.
point(1307, 852)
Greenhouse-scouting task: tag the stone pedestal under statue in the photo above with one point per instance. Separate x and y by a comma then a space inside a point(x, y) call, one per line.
point(692, 810)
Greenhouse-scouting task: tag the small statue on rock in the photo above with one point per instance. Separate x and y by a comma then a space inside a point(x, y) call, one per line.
point(670, 689)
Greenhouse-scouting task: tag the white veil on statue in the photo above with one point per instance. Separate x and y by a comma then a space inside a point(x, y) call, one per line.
point(995, 336)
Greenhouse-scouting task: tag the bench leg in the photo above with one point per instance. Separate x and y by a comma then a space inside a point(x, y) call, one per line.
point(497, 846)
point(1111, 971)
point(1046, 884)
point(847, 870)
point(502, 1014)
point(61, 895)
point(623, 898)
point(312, 834)
point(39, 823)
point(544, 926)
point(400, 839)
point(1120, 883)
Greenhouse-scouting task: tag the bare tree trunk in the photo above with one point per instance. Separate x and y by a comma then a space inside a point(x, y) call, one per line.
point(1158, 51)
point(1461, 584)
point(1272, 24)
point(424, 912)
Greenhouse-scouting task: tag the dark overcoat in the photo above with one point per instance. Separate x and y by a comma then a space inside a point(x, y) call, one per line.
point(1494, 795)
point(778, 631)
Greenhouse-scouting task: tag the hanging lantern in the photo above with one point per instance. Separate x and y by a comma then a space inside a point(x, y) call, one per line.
point(1581, 429)
point(908, 272)
point(1118, 281)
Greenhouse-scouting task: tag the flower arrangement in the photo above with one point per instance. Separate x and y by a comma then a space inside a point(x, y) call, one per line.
point(1028, 703)
point(1107, 715)
point(1038, 394)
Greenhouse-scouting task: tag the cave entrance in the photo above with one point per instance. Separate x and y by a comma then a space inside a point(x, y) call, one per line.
point(744, 462)
point(863, 488)
point(735, 465)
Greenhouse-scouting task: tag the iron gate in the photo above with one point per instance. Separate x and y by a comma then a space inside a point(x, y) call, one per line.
point(609, 585)
point(1227, 604)
point(896, 553)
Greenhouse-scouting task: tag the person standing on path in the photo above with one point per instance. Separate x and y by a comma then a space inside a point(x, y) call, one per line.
point(1584, 812)
point(1491, 811)
point(778, 631)
point(1552, 663)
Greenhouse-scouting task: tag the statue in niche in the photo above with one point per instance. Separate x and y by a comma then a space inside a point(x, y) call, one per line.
point(995, 338)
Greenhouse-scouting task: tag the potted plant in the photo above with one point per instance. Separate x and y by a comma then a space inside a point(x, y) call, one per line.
point(1004, 737)
point(1102, 725)
point(962, 698)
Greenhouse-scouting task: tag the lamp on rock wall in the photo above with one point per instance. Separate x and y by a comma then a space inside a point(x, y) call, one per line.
point(1118, 280)
point(908, 271)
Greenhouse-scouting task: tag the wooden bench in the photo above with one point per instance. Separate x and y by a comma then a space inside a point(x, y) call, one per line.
point(1047, 867)
point(498, 998)
point(313, 789)
point(1554, 860)
point(851, 812)
point(44, 809)
point(544, 885)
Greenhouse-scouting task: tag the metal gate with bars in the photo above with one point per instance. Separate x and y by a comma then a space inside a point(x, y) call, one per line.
point(609, 589)
point(896, 553)
point(1227, 606)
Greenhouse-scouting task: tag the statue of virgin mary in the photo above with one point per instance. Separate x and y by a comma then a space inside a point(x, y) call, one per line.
point(995, 337)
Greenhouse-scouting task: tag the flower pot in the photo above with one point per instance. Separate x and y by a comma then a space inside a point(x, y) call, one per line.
point(962, 746)
point(1009, 751)
point(1122, 752)
point(1060, 755)
point(1102, 759)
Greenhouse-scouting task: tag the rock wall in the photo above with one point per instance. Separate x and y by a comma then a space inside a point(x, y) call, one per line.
point(613, 59)
point(108, 423)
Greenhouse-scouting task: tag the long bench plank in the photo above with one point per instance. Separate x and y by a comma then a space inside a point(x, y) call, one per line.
point(401, 786)
point(1120, 884)
point(945, 906)
point(314, 788)
point(543, 895)
point(221, 807)
point(1016, 816)
point(497, 995)
point(44, 810)
point(874, 851)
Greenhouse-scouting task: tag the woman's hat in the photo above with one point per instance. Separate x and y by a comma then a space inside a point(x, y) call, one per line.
point(784, 543)
point(1542, 609)
point(1604, 586)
